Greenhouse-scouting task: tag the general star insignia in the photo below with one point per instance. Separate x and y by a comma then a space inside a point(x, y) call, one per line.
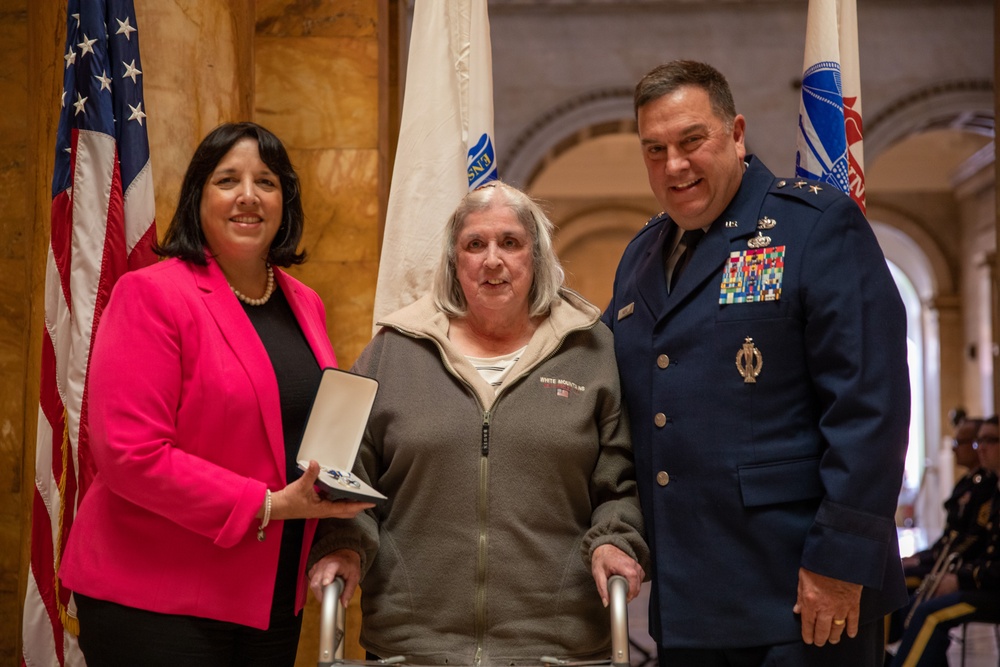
point(654, 217)
point(815, 189)
point(800, 184)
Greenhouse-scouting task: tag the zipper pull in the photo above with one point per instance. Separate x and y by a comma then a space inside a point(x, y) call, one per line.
point(485, 444)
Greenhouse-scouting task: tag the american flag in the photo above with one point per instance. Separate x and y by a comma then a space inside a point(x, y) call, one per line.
point(829, 139)
point(102, 225)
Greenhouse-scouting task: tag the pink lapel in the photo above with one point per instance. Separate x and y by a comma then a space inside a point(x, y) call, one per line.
point(240, 335)
point(310, 319)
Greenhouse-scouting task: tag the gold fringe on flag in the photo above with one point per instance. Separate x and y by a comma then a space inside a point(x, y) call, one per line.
point(70, 624)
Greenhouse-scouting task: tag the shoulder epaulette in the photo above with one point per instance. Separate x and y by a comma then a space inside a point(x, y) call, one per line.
point(814, 193)
point(652, 223)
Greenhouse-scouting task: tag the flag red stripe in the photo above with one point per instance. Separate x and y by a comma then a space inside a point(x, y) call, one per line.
point(62, 238)
point(42, 560)
point(50, 402)
point(142, 254)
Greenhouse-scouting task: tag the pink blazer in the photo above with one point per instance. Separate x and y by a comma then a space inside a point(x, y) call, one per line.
point(185, 432)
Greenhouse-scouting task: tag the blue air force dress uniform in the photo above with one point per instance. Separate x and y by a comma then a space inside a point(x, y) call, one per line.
point(769, 401)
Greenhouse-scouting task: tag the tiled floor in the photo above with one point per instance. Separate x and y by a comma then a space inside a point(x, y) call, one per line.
point(980, 646)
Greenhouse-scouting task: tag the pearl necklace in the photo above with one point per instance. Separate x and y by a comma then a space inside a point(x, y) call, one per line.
point(268, 291)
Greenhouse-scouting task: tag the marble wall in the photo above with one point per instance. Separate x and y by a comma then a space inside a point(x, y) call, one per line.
point(17, 182)
point(310, 71)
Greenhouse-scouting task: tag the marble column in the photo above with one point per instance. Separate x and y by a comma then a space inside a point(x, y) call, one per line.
point(317, 79)
point(30, 78)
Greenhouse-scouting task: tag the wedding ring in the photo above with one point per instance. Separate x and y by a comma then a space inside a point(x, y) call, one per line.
point(839, 621)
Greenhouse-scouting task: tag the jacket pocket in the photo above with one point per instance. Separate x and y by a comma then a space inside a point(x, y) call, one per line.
point(780, 482)
point(760, 310)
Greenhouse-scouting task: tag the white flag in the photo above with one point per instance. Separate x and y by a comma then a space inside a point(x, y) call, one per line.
point(445, 143)
point(829, 138)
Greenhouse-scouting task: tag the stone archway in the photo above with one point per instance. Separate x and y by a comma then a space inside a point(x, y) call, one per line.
point(932, 327)
point(963, 104)
point(589, 115)
point(589, 244)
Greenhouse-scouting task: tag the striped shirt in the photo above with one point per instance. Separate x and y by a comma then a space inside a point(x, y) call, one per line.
point(496, 369)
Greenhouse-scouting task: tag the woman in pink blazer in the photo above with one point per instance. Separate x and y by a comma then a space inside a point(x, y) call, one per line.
point(190, 546)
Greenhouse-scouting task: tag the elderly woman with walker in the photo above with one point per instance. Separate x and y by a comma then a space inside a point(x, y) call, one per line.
point(500, 439)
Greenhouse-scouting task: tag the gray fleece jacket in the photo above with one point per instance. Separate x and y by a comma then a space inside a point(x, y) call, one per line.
point(481, 555)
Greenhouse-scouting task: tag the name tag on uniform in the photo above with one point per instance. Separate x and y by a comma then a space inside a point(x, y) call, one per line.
point(626, 311)
point(752, 276)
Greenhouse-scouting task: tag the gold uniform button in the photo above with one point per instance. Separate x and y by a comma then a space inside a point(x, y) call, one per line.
point(660, 419)
point(663, 361)
point(662, 478)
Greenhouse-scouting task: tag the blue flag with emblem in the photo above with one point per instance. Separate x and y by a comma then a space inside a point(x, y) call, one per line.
point(829, 138)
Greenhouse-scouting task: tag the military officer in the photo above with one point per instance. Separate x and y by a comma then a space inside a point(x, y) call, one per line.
point(764, 369)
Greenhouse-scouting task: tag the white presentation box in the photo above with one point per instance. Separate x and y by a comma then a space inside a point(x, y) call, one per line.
point(333, 434)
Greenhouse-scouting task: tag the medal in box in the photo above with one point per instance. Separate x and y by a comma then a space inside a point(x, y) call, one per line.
point(333, 434)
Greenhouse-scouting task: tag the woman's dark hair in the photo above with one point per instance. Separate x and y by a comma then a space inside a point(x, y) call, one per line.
point(186, 240)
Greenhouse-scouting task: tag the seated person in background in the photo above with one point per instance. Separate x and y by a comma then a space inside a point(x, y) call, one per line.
point(971, 592)
point(972, 492)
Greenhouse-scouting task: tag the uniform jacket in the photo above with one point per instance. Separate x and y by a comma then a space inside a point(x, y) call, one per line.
point(185, 431)
point(968, 512)
point(744, 479)
point(981, 571)
point(496, 501)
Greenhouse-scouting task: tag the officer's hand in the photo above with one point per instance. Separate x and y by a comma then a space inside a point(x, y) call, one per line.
point(821, 602)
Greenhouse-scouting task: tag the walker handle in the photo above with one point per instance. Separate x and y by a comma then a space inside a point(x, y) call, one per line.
point(618, 595)
point(329, 623)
